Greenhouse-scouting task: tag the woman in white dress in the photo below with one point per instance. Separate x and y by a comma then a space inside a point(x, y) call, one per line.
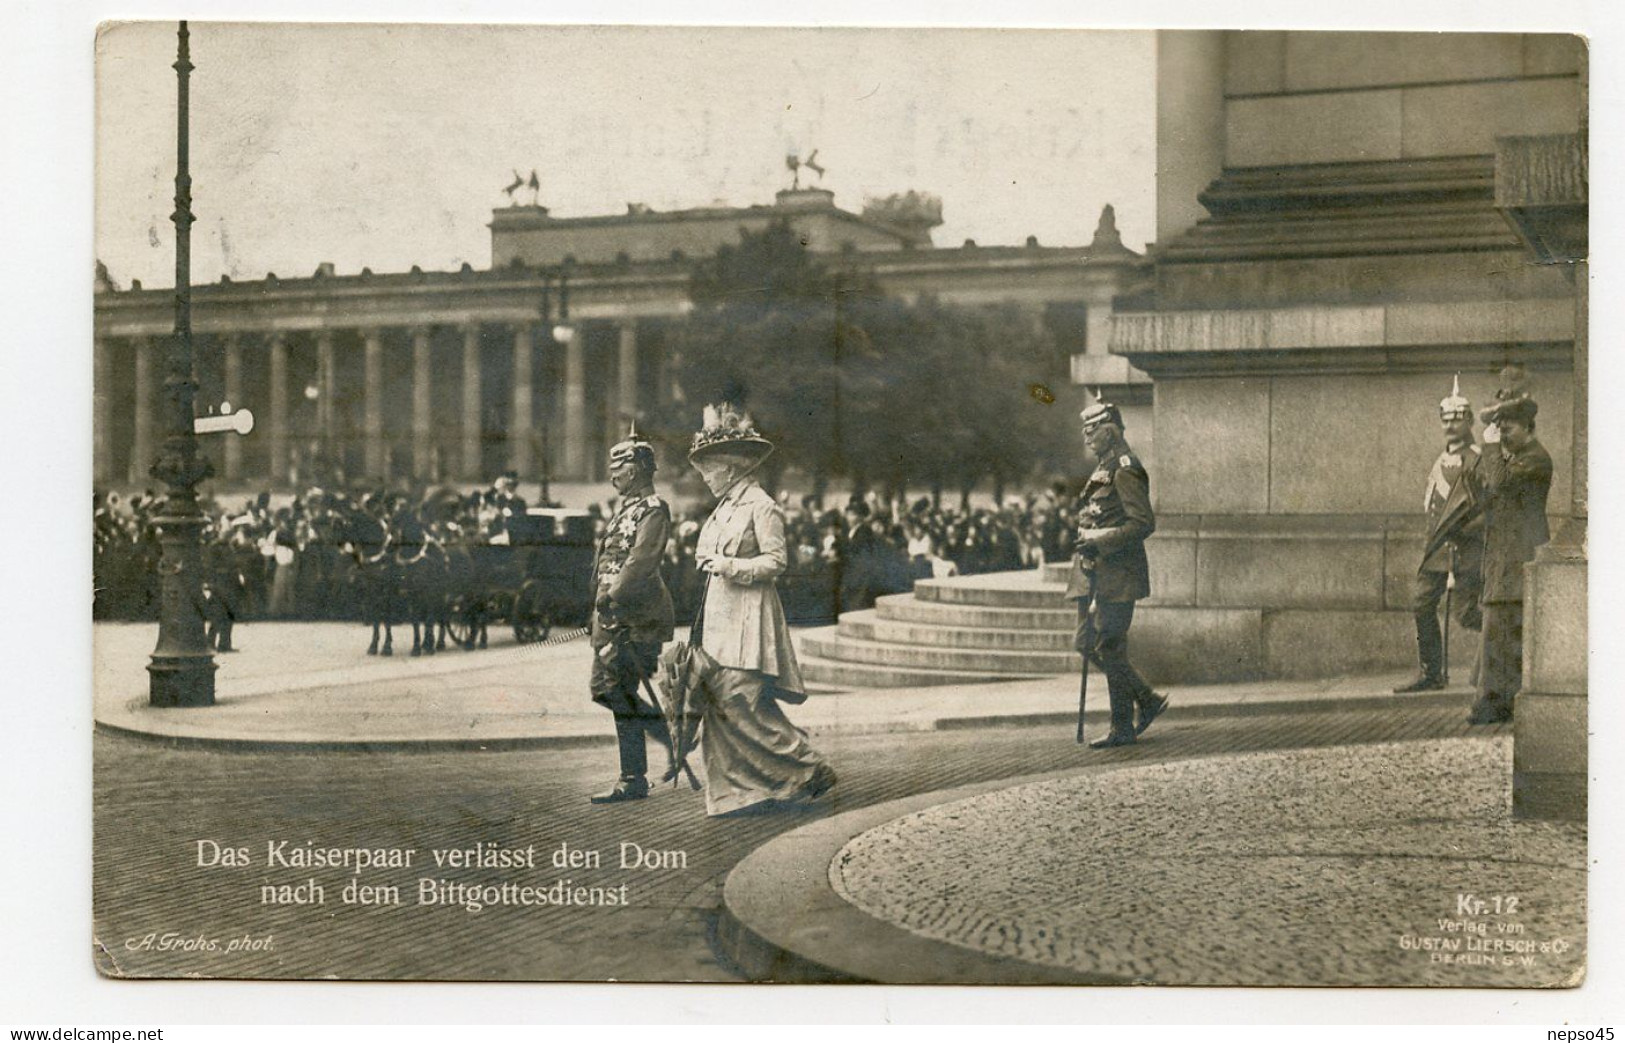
point(752, 753)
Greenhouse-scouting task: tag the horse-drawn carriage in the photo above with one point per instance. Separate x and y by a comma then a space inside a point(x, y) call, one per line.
point(536, 577)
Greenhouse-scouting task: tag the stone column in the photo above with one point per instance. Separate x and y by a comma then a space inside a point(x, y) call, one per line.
point(471, 402)
point(101, 403)
point(520, 426)
point(327, 384)
point(627, 370)
point(422, 421)
point(575, 406)
point(276, 427)
point(1190, 124)
point(231, 349)
point(373, 411)
point(141, 443)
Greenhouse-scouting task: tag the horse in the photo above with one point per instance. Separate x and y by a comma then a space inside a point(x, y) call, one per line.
point(372, 545)
point(422, 571)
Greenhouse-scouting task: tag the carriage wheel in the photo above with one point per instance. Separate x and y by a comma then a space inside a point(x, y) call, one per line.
point(531, 619)
point(460, 620)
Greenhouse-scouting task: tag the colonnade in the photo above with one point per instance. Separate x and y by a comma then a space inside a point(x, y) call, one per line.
point(579, 389)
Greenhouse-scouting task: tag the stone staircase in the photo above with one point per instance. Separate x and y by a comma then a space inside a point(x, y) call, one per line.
point(969, 629)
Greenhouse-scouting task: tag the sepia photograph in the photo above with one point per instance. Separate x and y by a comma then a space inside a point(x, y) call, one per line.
point(840, 505)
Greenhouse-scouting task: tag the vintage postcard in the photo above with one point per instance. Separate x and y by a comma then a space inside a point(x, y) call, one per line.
point(950, 506)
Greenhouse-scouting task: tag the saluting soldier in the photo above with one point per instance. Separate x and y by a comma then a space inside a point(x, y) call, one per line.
point(1517, 476)
point(1110, 572)
point(632, 612)
point(1455, 543)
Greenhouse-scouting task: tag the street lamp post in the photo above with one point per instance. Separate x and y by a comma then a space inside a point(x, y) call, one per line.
point(182, 667)
point(562, 333)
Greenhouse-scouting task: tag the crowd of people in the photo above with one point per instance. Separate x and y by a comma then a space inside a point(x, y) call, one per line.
point(299, 560)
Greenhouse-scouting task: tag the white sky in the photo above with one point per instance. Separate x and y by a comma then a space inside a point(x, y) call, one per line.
point(388, 146)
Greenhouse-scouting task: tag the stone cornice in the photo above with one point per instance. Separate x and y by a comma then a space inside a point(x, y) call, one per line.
point(513, 294)
point(1345, 209)
point(1542, 188)
point(1362, 338)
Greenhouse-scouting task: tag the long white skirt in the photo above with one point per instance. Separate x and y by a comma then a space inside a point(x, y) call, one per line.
point(752, 752)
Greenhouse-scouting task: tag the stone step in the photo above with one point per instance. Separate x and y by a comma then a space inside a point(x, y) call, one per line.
point(868, 626)
point(995, 590)
point(868, 675)
point(1057, 572)
point(906, 608)
point(829, 644)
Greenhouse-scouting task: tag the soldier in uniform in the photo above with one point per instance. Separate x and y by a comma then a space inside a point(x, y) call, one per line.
point(1455, 541)
point(222, 591)
point(1110, 572)
point(1516, 476)
point(632, 612)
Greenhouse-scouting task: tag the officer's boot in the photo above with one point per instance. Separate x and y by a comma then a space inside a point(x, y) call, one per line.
point(1122, 700)
point(633, 783)
point(1430, 650)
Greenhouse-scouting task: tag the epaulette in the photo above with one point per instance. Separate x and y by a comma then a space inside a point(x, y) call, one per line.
point(1127, 460)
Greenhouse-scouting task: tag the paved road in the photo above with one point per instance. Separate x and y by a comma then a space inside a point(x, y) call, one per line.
point(153, 805)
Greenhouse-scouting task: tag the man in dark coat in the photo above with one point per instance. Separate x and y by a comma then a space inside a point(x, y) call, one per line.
point(632, 613)
point(222, 591)
point(1516, 476)
point(1455, 541)
point(1110, 572)
point(859, 554)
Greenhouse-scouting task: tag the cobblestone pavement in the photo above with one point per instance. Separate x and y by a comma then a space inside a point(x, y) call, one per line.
point(1344, 866)
point(153, 805)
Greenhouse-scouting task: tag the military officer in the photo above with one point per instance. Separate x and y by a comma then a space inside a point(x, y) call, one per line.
point(1110, 572)
point(1455, 541)
point(1517, 476)
point(632, 612)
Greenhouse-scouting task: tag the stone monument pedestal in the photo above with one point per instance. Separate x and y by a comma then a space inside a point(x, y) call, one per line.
point(1549, 751)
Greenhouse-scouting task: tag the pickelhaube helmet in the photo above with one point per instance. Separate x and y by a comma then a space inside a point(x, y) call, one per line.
point(1100, 412)
point(633, 447)
point(726, 428)
point(1454, 406)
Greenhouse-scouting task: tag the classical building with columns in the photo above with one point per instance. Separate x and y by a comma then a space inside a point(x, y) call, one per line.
point(533, 364)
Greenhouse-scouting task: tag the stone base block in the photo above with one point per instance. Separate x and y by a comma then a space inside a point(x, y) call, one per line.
point(1175, 645)
point(1554, 624)
point(1310, 644)
point(1549, 757)
point(1289, 569)
point(1555, 797)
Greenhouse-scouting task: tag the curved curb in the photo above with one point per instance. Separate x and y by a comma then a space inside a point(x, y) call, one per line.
point(236, 744)
point(782, 920)
point(127, 722)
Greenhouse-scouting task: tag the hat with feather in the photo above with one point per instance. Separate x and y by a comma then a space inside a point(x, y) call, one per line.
point(729, 430)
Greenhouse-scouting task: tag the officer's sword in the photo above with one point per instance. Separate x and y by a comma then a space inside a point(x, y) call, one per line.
point(1083, 682)
point(1449, 595)
point(567, 636)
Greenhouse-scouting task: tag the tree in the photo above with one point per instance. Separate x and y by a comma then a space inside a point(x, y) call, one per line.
point(777, 333)
point(852, 383)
